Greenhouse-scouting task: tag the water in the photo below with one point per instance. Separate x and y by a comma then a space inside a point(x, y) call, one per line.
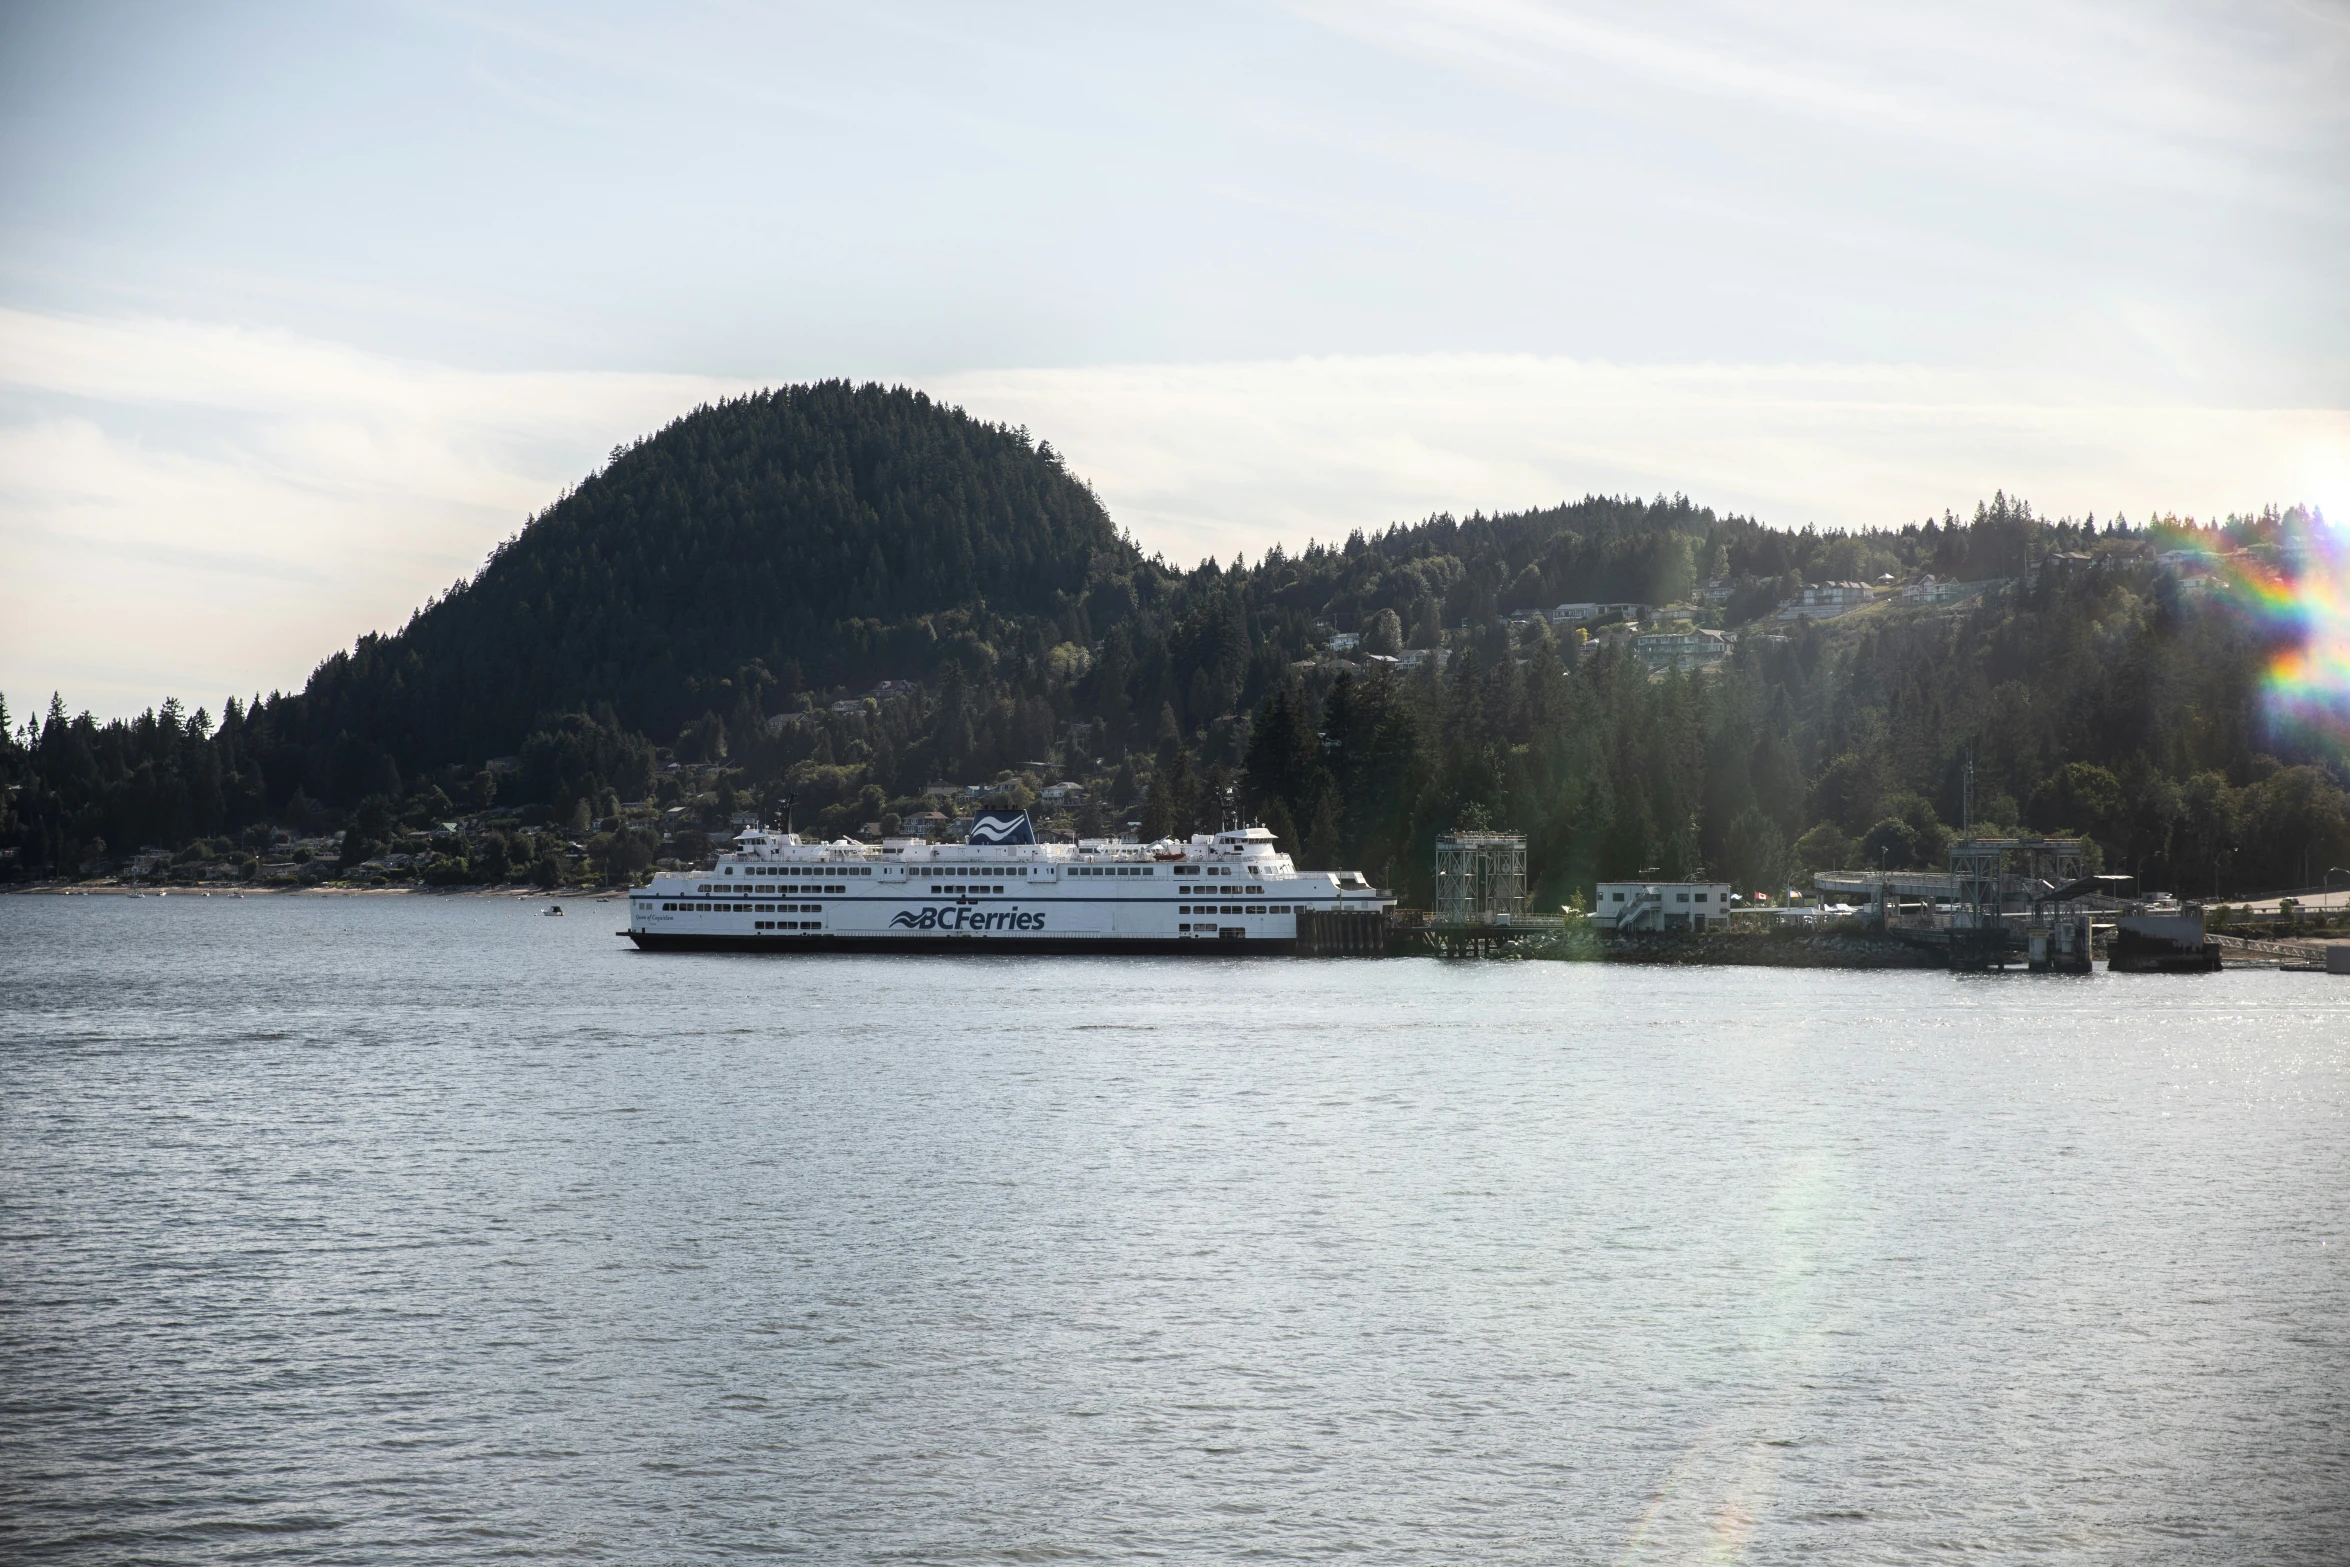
point(411, 1229)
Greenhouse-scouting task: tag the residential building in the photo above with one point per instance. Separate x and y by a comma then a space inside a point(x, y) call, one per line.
point(1579, 614)
point(1929, 589)
point(1682, 647)
point(1826, 601)
point(1621, 634)
point(1714, 592)
point(2059, 565)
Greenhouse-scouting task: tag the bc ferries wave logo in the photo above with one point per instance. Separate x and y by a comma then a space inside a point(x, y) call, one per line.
point(961, 918)
point(1003, 827)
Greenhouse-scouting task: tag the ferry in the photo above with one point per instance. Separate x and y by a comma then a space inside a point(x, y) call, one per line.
point(1211, 894)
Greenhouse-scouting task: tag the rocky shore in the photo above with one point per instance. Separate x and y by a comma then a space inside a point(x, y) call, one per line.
point(1747, 949)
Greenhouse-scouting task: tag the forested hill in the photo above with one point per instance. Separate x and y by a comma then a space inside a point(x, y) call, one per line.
point(817, 529)
point(845, 595)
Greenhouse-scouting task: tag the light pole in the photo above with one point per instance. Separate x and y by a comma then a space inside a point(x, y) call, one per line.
point(2327, 890)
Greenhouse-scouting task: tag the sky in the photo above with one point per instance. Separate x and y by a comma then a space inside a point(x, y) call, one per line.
point(303, 309)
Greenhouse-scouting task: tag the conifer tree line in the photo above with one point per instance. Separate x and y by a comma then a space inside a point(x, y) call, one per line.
point(708, 597)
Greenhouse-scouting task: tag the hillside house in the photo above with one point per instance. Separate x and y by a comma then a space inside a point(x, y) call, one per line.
point(1826, 600)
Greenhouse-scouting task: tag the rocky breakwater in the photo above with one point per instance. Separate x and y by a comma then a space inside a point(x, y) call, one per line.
point(1846, 947)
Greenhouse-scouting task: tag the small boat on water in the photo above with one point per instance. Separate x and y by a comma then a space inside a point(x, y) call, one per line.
point(554, 908)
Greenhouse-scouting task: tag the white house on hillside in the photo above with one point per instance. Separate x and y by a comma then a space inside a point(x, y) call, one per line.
point(1826, 601)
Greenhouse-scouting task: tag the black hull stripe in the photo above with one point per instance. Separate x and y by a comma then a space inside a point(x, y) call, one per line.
point(1058, 946)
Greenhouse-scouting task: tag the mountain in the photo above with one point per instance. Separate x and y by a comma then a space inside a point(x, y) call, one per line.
point(706, 626)
point(814, 532)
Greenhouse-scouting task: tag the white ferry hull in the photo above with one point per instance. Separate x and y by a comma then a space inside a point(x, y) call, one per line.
point(1218, 945)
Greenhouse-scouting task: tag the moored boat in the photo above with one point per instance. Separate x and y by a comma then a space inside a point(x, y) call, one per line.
point(1001, 890)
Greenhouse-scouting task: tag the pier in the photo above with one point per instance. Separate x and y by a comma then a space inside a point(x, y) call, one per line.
point(1481, 898)
point(2005, 901)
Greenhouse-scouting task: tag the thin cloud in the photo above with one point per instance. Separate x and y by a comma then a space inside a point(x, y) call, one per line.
point(196, 509)
point(2143, 96)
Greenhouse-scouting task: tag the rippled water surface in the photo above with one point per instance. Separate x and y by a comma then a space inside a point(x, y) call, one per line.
point(406, 1229)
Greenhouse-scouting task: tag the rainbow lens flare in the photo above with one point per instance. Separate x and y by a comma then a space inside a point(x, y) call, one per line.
point(2299, 589)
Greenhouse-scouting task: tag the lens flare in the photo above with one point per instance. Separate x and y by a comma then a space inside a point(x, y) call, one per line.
point(2298, 587)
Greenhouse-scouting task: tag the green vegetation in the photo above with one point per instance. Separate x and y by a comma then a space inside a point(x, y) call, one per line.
point(697, 632)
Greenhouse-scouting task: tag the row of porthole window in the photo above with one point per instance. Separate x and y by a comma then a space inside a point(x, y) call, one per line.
point(795, 870)
point(1238, 908)
point(742, 908)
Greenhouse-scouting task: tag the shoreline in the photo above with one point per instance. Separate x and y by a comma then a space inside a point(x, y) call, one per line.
point(520, 891)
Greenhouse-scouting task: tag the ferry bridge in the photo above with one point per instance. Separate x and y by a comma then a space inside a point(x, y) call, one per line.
point(2004, 900)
